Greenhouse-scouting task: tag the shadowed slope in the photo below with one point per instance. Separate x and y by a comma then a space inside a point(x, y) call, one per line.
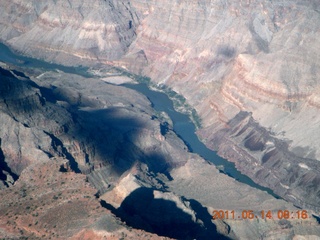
point(165, 215)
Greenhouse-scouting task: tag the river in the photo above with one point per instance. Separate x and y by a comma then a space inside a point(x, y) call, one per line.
point(182, 124)
point(185, 129)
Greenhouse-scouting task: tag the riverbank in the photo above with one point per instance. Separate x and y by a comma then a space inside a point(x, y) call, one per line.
point(185, 120)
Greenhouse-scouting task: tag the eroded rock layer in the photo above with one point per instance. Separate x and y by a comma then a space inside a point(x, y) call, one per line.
point(249, 68)
point(99, 29)
point(68, 149)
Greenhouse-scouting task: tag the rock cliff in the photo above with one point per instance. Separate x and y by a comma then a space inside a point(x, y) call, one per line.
point(249, 68)
point(58, 135)
point(74, 28)
point(256, 57)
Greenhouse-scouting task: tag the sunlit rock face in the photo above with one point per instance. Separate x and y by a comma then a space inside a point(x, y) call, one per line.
point(259, 56)
point(249, 68)
point(256, 57)
point(62, 144)
point(66, 146)
point(60, 30)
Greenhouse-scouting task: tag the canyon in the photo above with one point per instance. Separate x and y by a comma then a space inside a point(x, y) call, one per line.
point(249, 69)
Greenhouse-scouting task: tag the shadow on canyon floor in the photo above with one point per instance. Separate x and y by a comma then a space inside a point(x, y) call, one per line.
point(5, 168)
point(142, 210)
point(114, 136)
point(101, 136)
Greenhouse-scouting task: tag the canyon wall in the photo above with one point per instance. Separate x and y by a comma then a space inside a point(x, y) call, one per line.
point(231, 57)
point(249, 68)
point(94, 162)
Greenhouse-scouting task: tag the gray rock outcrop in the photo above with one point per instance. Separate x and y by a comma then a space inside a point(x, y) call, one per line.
point(249, 68)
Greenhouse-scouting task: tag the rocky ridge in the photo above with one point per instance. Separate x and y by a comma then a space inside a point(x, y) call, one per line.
point(45, 203)
point(234, 61)
point(52, 137)
point(174, 186)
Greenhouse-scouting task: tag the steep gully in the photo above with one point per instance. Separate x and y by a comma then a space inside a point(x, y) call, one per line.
point(182, 124)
